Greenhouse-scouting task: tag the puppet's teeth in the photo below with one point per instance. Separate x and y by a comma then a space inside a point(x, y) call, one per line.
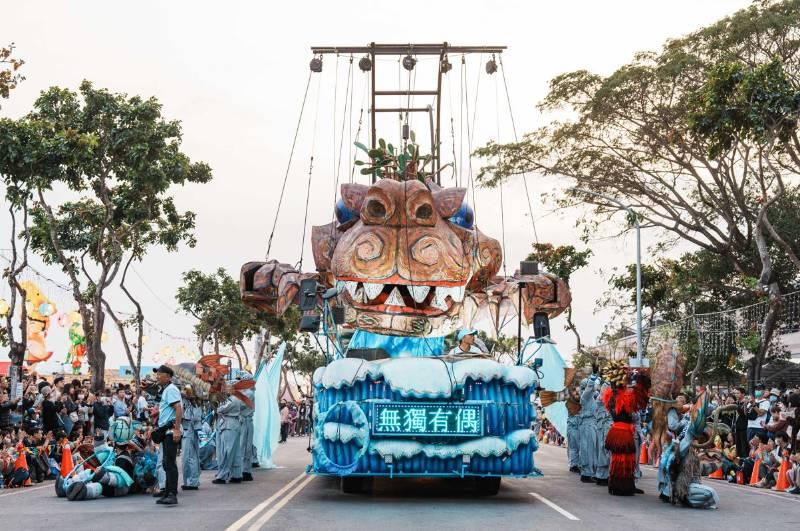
point(456, 293)
point(351, 287)
point(418, 293)
point(438, 299)
point(372, 289)
point(360, 296)
point(394, 299)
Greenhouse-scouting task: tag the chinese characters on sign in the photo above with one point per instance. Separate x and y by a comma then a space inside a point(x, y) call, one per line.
point(427, 419)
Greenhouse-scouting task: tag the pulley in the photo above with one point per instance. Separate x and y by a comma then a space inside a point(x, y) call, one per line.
point(365, 64)
point(491, 66)
point(445, 66)
point(316, 65)
point(409, 62)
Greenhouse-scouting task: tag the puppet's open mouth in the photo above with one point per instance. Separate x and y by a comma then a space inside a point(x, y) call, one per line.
point(412, 299)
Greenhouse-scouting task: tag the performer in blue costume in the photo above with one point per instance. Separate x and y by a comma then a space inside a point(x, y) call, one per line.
point(573, 443)
point(191, 422)
point(587, 434)
point(246, 438)
point(679, 470)
point(228, 441)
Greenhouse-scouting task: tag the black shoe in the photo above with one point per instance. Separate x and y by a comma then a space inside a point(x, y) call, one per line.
point(236, 480)
point(76, 491)
point(256, 465)
point(159, 494)
point(638, 491)
point(587, 479)
point(602, 482)
point(168, 500)
point(664, 498)
point(247, 476)
point(188, 487)
point(795, 490)
point(219, 481)
point(575, 469)
point(618, 493)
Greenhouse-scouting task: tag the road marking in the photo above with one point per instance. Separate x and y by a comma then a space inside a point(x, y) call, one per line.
point(269, 514)
point(241, 522)
point(24, 490)
point(752, 490)
point(555, 507)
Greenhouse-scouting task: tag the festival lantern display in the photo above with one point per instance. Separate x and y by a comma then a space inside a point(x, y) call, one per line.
point(77, 349)
point(39, 309)
point(4, 307)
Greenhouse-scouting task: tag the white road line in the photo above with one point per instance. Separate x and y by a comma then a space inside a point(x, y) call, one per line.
point(277, 507)
point(24, 490)
point(555, 507)
point(241, 522)
point(751, 490)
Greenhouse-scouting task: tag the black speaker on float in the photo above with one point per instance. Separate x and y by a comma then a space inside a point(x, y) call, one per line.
point(310, 322)
point(338, 314)
point(529, 268)
point(541, 325)
point(369, 354)
point(308, 294)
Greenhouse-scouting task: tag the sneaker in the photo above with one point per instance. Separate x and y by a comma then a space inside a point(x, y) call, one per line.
point(602, 482)
point(575, 469)
point(247, 476)
point(236, 480)
point(219, 481)
point(795, 490)
point(168, 500)
point(587, 479)
point(159, 493)
point(188, 487)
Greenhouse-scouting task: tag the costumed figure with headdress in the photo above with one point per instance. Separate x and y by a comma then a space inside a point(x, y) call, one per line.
point(622, 402)
point(679, 468)
point(191, 423)
point(587, 430)
point(603, 423)
point(245, 391)
point(572, 378)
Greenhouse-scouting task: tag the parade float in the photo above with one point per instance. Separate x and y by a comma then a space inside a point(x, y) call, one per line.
point(402, 266)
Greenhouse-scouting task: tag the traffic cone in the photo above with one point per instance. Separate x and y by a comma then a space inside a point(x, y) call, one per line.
point(66, 461)
point(754, 475)
point(22, 463)
point(717, 474)
point(783, 481)
point(643, 457)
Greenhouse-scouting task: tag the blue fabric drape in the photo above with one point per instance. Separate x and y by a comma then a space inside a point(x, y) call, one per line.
point(267, 417)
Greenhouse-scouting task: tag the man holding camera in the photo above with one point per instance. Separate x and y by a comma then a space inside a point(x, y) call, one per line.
point(757, 411)
point(170, 413)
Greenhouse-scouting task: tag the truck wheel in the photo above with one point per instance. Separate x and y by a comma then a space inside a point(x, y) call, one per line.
point(488, 486)
point(352, 485)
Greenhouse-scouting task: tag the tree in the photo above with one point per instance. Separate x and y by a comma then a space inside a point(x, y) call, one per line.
point(10, 76)
point(701, 140)
point(118, 156)
point(562, 261)
point(224, 320)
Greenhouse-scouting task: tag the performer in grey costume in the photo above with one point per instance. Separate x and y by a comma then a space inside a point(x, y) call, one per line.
point(246, 440)
point(587, 430)
point(228, 447)
point(190, 443)
point(602, 460)
point(573, 442)
point(638, 438)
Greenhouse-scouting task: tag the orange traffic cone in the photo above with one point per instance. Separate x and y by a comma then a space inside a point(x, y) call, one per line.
point(66, 461)
point(22, 463)
point(754, 475)
point(643, 457)
point(717, 474)
point(783, 472)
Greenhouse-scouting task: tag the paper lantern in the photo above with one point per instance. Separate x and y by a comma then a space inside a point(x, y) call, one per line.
point(46, 309)
point(63, 320)
point(183, 350)
point(4, 308)
point(104, 337)
point(166, 351)
point(145, 339)
point(75, 317)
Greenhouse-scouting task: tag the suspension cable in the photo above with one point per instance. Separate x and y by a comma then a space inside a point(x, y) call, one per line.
point(341, 141)
point(502, 205)
point(299, 265)
point(469, 145)
point(288, 165)
point(516, 139)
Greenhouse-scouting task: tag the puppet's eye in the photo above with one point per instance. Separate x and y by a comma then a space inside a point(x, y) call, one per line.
point(464, 217)
point(343, 214)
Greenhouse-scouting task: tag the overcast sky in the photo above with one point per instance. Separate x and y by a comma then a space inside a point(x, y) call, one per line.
point(234, 74)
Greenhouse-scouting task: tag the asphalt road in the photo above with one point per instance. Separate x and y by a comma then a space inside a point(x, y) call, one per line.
point(286, 498)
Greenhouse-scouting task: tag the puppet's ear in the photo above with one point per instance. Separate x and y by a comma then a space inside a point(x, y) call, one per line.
point(448, 200)
point(353, 195)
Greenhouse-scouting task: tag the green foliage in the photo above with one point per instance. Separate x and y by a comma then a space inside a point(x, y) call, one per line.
point(561, 261)
point(10, 76)
point(388, 161)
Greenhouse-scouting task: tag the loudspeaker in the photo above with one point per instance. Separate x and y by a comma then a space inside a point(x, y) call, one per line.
point(541, 325)
point(529, 268)
point(310, 322)
point(308, 294)
point(369, 354)
point(338, 314)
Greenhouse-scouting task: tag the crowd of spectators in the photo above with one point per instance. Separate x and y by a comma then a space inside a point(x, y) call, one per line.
point(54, 412)
point(296, 418)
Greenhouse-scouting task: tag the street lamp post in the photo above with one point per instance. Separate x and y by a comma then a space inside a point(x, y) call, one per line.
point(640, 362)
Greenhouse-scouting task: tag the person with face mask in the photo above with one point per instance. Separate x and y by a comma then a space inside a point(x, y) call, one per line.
point(757, 411)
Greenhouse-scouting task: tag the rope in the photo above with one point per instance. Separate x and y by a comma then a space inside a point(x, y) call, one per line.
point(502, 205)
point(516, 139)
point(299, 265)
point(288, 166)
point(341, 143)
point(360, 123)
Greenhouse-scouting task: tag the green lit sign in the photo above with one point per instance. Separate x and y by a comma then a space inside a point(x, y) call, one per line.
point(427, 419)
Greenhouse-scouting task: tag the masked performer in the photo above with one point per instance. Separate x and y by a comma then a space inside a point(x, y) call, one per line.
point(622, 402)
point(573, 441)
point(247, 409)
point(679, 469)
point(191, 422)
